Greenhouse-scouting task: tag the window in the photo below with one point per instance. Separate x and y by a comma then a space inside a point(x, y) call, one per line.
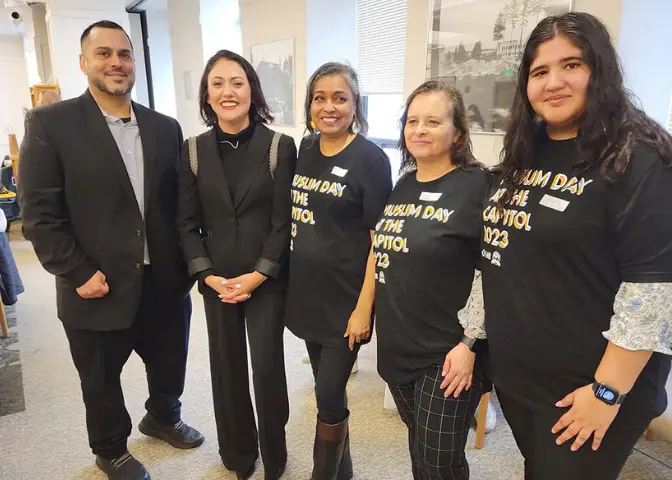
point(381, 45)
point(381, 48)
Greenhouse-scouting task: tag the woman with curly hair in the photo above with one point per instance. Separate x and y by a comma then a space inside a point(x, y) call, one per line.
point(578, 250)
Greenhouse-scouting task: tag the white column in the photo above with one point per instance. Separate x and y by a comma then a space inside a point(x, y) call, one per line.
point(141, 91)
point(338, 43)
point(14, 89)
point(220, 24)
point(161, 58)
point(66, 20)
point(187, 47)
point(29, 48)
point(40, 41)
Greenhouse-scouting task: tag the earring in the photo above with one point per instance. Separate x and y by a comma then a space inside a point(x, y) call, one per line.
point(312, 125)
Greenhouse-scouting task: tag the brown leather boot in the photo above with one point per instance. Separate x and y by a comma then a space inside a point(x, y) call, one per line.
point(328, 449)
point(345, 471)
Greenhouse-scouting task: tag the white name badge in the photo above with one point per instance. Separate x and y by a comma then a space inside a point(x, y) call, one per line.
point(554, 202)
point(339, 172)
point(430, 196)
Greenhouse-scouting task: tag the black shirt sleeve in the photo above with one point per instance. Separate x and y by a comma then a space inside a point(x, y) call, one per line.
point(377, 189)
point(642, 219)
point(276, 246)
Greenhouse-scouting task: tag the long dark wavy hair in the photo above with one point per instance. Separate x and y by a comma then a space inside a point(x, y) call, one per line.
point(359, 124)
point(462, 153)
point(259, 110)
point(611, 124)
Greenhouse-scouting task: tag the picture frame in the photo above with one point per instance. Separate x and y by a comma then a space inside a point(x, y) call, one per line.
point(477, 46)
point(274, 63)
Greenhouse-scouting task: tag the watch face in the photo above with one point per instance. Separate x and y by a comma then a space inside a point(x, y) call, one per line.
point(606, 395)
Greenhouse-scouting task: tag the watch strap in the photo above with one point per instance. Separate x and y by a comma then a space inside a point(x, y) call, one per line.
point(619, 397)
point(469, 342)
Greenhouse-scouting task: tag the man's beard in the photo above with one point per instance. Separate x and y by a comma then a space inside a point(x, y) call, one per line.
point(115, 92)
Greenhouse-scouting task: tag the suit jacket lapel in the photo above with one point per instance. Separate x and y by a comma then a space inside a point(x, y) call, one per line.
point(149, 142)
point(207, 152)
point(105, 144)
point(257, 153)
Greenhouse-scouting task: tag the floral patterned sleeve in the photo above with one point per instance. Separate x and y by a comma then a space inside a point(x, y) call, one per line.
point(642, 317)
point(472, 316)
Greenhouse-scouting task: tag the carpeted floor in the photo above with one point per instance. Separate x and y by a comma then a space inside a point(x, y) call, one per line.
point(48, 441)
point(11, 378)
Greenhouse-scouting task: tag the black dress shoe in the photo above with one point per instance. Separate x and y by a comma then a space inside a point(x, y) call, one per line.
point(125, 467)
point(275, 475)
point(247, 474)
point(179, 435)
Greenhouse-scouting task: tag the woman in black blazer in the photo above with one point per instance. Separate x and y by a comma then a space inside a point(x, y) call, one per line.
point(234, 224)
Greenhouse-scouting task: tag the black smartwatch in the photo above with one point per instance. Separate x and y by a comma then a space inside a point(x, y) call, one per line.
point(469, 342)
point(607, 394)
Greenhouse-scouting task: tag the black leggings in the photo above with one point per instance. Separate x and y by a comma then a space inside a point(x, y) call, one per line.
point(332, 366)
point(544, 460)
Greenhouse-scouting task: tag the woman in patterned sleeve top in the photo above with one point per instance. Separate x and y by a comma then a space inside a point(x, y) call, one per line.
point(578, 258)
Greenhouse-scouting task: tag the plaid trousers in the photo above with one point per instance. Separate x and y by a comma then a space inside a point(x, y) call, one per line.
point(438, 427)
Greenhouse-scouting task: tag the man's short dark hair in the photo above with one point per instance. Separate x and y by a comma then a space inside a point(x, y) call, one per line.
point(103, 24)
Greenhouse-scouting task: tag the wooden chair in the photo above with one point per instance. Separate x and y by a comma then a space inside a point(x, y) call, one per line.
point(14, 155)
point(480, 423)
point(3, 322)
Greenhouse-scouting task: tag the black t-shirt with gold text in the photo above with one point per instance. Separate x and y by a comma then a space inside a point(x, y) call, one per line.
point(553, 262)
point(335, 204)
point(426, 246)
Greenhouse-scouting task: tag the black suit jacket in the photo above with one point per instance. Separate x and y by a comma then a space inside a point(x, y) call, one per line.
point(234, 236)
point(80, 212)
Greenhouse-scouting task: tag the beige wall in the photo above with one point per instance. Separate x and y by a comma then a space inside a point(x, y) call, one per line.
point(186, 44)
point(486, 146)
point(269, 20)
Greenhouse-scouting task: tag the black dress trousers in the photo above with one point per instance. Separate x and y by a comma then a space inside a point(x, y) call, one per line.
point(160, 336)
point(239, 440)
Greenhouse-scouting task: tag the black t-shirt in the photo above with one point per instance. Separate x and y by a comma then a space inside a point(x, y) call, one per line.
point(554, 261)
point(426, 246)
point(335, 203)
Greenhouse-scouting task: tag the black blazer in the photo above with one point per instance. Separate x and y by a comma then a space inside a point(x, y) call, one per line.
point(80, 212)
point(231, 237)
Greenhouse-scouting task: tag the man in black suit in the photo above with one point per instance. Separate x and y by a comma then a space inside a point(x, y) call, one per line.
point(99, 198)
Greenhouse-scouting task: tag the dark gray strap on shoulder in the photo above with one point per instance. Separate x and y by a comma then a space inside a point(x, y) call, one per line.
point(193, 155)
point(273, 156)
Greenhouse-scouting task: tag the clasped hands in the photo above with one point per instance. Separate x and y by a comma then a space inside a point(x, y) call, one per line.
point(235, 290)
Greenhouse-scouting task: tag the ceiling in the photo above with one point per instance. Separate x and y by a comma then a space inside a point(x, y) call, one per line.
point(160, 5)
point(6, 25)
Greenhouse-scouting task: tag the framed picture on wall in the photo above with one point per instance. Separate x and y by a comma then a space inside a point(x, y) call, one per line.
point(477, 45)
point(274, 63)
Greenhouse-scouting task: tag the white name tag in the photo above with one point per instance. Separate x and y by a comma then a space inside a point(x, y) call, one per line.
point(430, 196)
point(554, 202)
point(339, 172)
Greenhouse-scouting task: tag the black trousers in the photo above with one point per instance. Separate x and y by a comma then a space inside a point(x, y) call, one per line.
point(332, 366)
point(160, 336)
point(239, 439)
point(438, 427)
point(544, 460)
